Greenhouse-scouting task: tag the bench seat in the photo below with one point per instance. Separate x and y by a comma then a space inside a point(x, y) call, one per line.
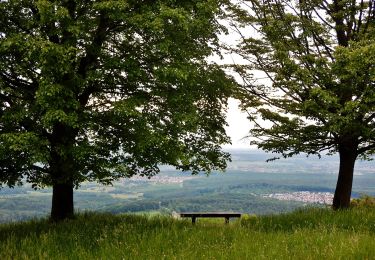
point(195, 215)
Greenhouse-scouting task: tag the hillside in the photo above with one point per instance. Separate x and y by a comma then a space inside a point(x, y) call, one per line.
point(249, 185)
point(307, 234)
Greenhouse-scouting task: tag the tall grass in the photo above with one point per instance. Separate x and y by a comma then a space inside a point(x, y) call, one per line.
point(304, 234)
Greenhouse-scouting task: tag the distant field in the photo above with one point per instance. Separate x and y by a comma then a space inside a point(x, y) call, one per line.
point(250, 185)
point(307, 234)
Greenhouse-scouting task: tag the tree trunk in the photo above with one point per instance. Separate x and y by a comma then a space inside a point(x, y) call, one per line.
point(341, 199)
point(62, 201)
point(63, 170)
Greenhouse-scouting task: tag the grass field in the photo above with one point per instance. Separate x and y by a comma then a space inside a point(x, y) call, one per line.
point(307, 234)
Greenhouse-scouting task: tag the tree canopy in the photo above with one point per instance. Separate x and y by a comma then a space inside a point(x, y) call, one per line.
point(317, 92)
point(98, 90)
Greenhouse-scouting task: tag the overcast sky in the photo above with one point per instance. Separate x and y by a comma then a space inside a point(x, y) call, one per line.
point(239, 126)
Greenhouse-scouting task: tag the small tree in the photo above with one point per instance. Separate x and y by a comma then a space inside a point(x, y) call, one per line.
point(319, 60)
point(98, 90)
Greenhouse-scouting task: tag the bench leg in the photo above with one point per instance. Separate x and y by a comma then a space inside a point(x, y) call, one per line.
point(226, 220)
point(193, 220)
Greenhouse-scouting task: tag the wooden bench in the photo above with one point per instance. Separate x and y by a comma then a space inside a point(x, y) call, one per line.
point(195, 215)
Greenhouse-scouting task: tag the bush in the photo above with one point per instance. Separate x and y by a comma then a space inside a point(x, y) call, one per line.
point(365, 201)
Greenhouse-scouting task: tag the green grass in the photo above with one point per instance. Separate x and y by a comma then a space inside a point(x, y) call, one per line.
point(305, 234)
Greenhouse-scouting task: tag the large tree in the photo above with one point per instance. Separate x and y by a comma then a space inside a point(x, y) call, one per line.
point(316, 59)
point(98, 90)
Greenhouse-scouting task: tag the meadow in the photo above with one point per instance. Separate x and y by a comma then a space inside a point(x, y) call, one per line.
point(302, 234)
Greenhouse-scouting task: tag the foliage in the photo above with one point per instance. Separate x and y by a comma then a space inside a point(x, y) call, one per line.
point(318, 96)
point(97, 90)
point(309, 234)
point(320, 87)
point(364, 201)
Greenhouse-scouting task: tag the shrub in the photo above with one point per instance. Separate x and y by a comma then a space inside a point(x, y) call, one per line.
point(365, 201)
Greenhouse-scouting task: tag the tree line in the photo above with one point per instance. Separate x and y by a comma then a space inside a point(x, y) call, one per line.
point(100, 90)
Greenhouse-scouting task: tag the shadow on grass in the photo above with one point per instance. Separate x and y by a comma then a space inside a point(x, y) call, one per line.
point(87, 222)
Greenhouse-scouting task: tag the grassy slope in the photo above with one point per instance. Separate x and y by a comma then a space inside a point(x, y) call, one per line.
point(309, 234)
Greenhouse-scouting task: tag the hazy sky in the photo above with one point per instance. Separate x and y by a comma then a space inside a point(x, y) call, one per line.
point(239, 126)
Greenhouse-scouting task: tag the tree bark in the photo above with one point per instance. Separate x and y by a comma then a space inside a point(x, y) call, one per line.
point(62, 201)
point(341, 199)
point(63, 170)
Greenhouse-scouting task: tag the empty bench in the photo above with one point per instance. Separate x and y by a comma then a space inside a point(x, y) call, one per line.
point(195, 215)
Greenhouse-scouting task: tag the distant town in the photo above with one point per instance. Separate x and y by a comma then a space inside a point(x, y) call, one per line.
point(162, 179)
point(304, 196)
